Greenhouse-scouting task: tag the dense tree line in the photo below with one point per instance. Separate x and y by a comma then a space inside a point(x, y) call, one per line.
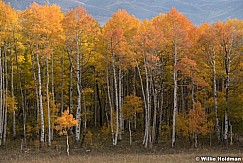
point(159, 76)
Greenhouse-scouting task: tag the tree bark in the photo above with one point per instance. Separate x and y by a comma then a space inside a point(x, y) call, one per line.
point(116, 99)
point(67, 145)
point(71, 90)
point(160, 113)
point(53, 92)
point(1, 97)
point(12, 93)
point(231, 133)
point(130, 132)
point(147, 112)
point(110, 103)
point(213, 62)
point(144, 99)
point(155, 95)
point(42, 137)
point(100, 106)
point(120, 102)
point(78, 112)
point(48, 102)
point(84, 121)
point(6, 96)
point(36, 88)
point(227, 70)
point(175, 97)
point(62, 92)
point(22, 95)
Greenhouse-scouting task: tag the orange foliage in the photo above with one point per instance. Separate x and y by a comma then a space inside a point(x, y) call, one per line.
point(196, 121)
point(65, 122)
point(117, 37)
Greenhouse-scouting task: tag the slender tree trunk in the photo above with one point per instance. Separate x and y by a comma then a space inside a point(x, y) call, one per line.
point(147, 119)
point(48, 102)
point(62, 92)
point(42, 137)
point(22, 95)
point(227, 69)
point(134, 91)
point(120, 102)
point(195, 139)
point(36, 88)
point(5, 118)
point(175, 97)
point(193, 108)
point(182, 99)
point(193, 98)
point(12, 93)
point(67, 145)
point(78, 73)
point(215, 97)
point(100, 106)
point(155, 95)
point(160, 113)
point(130, 131)
point(116, 99)
point(95, 106)
point(6, 96)
point(231, 133)
point(1, 96)
point(71, 88)
point(110, 103)
point(144, 99)
point(84, 121)
point(53, 92)
point(78, 112)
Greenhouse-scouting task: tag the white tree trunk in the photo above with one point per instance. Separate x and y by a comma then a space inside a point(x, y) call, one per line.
point(215, 96)
point(144, 100)
point(6, 96)
point(160, 112)
point(231, 133)
point(84, 120)
point(71, 91)
point(42, 138)
point(155, 95)
point(130, 132)
point(227, 69)
point(62, 89)
point(1, 97)
point(22, 96)
point(12, 94)
point(116, 99)
point(52, 91)
point(67, 145)
point(110, 103)
point(48, 102)
point(147, 119)
point(78, 117)
point(175, 97)
point(120, 102)
point(36, 88)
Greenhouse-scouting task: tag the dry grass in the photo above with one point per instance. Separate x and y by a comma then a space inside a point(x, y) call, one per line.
point(89, 157)
point(103, 159)
point(122, 153)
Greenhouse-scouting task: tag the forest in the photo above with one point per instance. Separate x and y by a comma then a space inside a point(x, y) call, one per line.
point(62, 74)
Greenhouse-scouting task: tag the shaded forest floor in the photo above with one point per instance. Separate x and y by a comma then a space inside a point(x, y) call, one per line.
point(101, 150)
